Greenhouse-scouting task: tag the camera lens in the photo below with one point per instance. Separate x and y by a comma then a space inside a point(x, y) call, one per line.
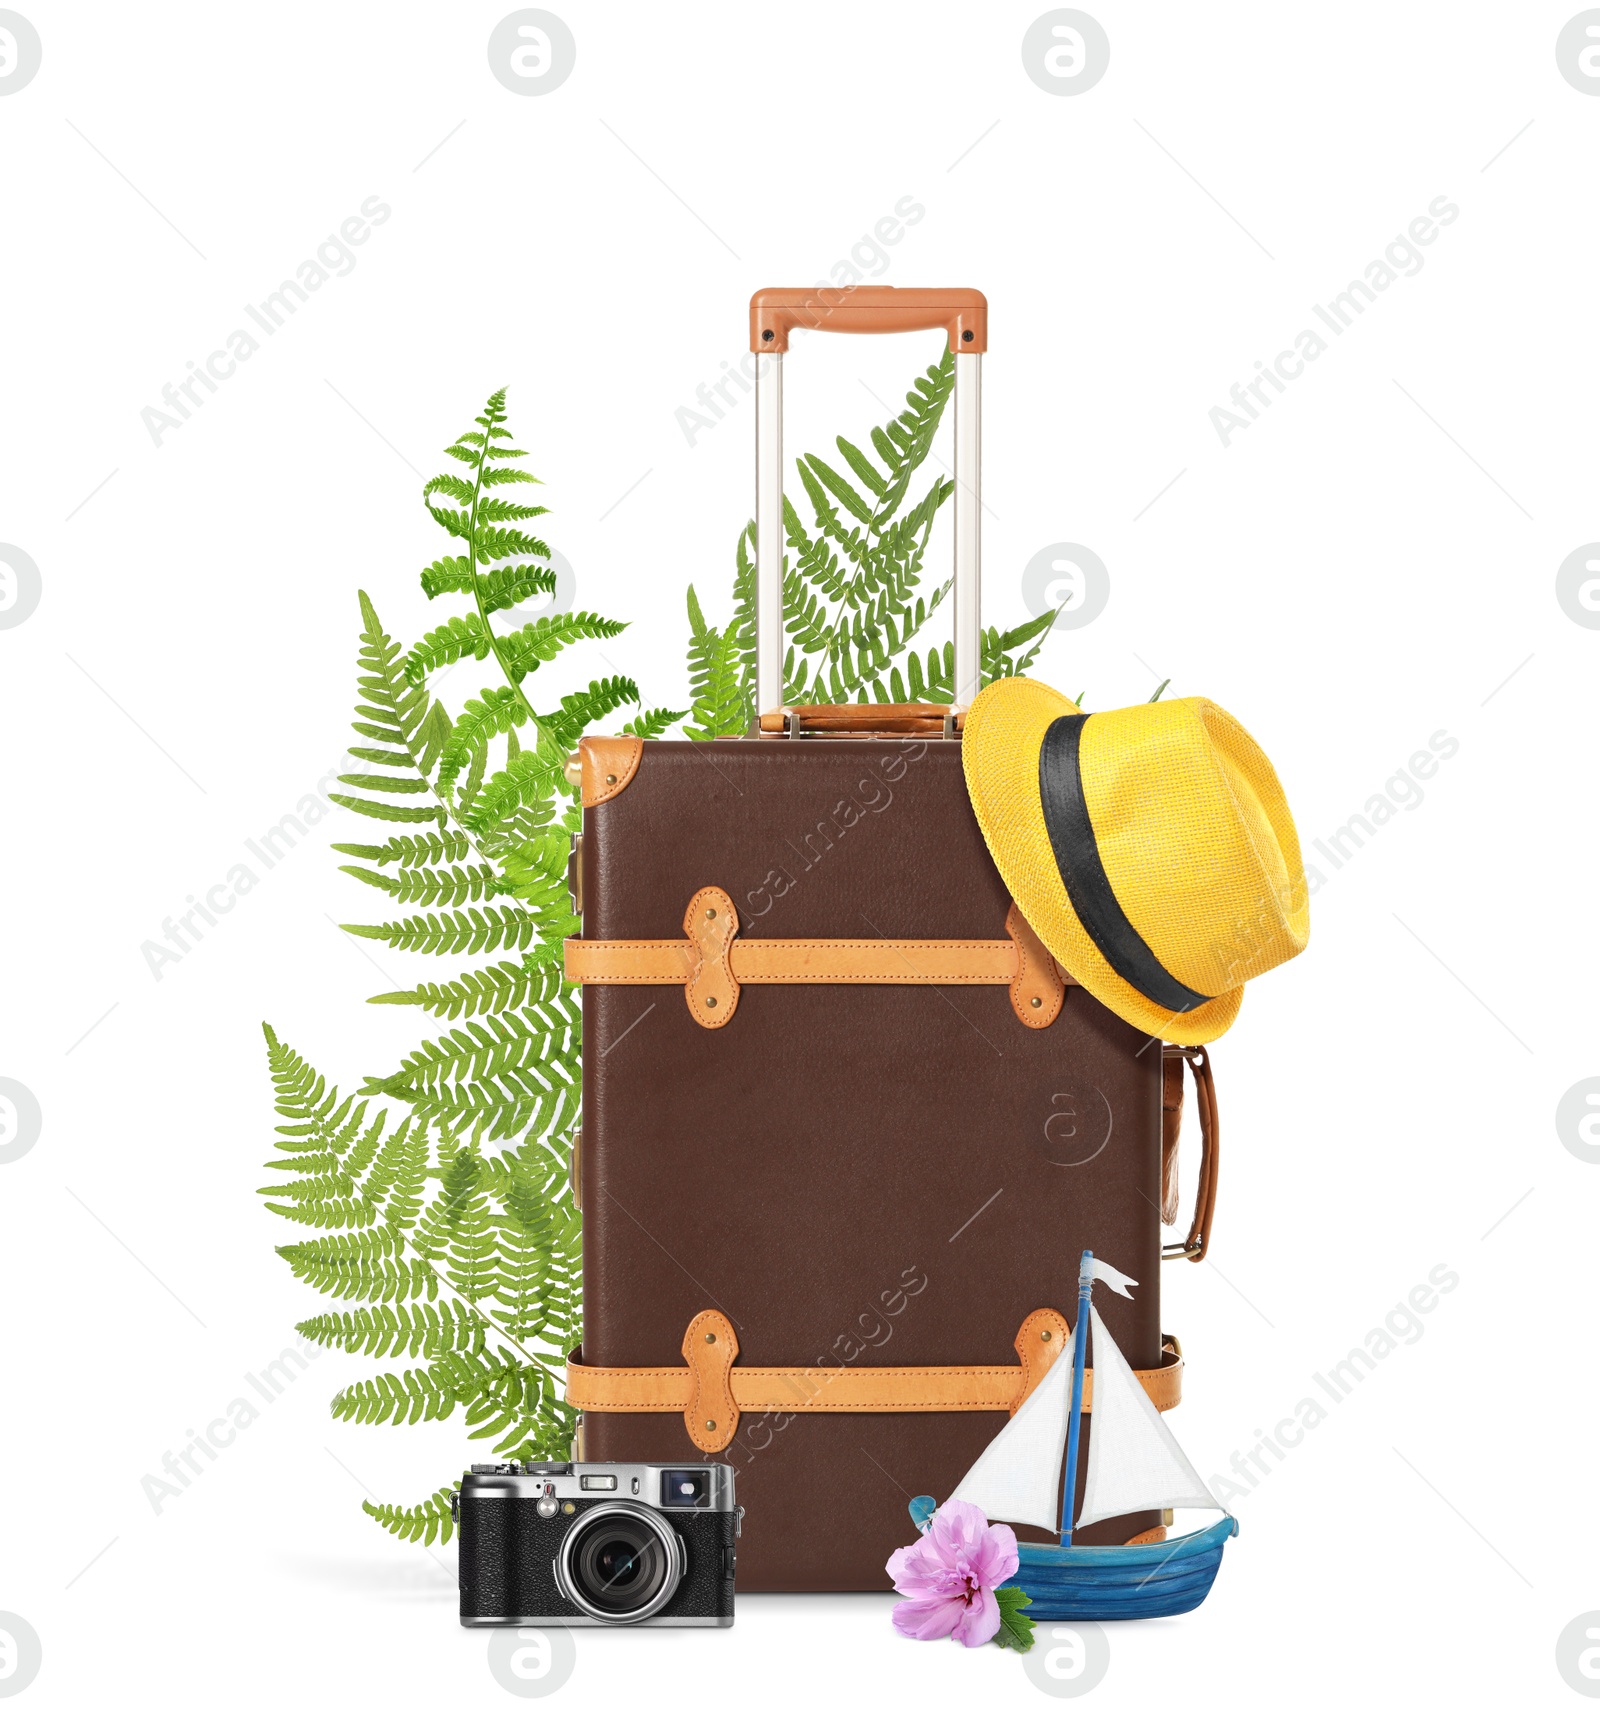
point(620, 1563)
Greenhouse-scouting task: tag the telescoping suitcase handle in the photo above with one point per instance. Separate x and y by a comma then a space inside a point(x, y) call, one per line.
point(964, 314)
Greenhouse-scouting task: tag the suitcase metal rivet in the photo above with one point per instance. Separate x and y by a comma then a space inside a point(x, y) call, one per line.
point(710, 1336)
point(711, 1002)
point(1044, 1334)
point(1038, 1002)
point(711, 1424)
point(711, 913)
point(611, 777)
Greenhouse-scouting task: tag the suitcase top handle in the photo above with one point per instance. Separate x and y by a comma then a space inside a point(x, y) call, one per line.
point(962, 312)
point(867, 308)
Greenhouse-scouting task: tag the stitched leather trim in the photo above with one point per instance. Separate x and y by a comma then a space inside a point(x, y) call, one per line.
point(712, 992)
point(1156, 1534)
point(1039, 1341)
point(845, 1388)
point(607, 766)
point(809, 961)
point(1039, 988)
point(709, 1349)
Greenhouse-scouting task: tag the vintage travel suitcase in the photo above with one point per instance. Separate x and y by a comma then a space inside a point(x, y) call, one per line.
point(846, 1128)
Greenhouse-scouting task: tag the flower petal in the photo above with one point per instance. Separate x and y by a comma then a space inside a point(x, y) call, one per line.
point(919, 1566)
point(935, 1619)
point(958, 1527)
point(995, 1558)
point(979, 1622)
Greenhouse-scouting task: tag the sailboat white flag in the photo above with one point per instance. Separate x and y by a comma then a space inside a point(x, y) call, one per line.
point(1018, 1476)
point(1135, 1462)
point(1112, 1277)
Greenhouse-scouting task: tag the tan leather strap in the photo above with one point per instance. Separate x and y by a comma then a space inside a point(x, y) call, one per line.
point(711, 1390)
point(711, 962)
point(1198, 1239)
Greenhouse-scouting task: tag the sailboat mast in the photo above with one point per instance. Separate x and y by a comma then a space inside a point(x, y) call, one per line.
point(1080, 1344)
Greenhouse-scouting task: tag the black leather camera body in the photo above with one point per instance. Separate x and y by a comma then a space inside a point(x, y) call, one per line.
point(573, 1544)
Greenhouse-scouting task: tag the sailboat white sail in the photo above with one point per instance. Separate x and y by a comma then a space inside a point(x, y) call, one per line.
point(1018, 1476)
point(1135, 1463)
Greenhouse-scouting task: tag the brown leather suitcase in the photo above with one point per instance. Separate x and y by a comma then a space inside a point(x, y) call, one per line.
point(846, 1127)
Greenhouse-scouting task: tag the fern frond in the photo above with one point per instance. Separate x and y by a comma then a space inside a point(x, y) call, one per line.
point(371, 1265)
point(411, 851)
point(444, 645)
point(486, 1049)
point(536, 643)
point(482, 991)
point(428, 1522)
point(498, 710)
point(447, 575)
point(499, 590)
point(715, 678)
point(656, 722)
point(504, 510)
point(578, 711)
point(472, 931)
point(396, 1397)
point(433, 885)
point(493, 543)
point(389, 1331)
point(528, 778)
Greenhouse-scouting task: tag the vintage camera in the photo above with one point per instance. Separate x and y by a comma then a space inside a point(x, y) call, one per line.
point(565, 1544)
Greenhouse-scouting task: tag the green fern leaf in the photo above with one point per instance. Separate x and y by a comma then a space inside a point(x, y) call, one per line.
point(538, 642)
point(498, 710)
point(493, 543)
point(578, 711)
point(481, 991)
point(504, 510)
point(473, 931)
point(656, 722)
point(443, 646)
point(499, 590)
point(428, 1522)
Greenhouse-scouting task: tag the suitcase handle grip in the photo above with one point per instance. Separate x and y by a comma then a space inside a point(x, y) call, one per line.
point(869, 719)
point(774, 312)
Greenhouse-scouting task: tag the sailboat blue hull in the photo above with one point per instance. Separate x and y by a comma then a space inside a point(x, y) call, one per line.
point(1142, 1581)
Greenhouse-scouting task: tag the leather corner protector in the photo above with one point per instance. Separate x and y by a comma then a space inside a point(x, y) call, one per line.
point(1039, 1343)
point(607, 765)
point(709, 1349)
point(710, 923)
point(1038, 990)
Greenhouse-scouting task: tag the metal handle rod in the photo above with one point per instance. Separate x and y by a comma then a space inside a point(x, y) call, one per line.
point(966, 502)
point(769, 533)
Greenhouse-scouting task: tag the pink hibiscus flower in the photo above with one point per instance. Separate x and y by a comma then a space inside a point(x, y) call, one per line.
point(949, 1576)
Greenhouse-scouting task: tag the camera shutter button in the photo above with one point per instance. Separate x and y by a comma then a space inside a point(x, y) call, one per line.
point(547, 1507)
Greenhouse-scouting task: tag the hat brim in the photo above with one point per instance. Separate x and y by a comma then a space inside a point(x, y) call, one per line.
point(1000, 744)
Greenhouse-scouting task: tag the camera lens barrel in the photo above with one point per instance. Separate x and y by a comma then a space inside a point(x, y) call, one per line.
point(620, 1562)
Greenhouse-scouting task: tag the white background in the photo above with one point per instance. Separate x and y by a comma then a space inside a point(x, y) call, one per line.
point(1368, 564)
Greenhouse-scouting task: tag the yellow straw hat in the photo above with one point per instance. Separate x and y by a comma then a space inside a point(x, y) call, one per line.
point(1150, 848)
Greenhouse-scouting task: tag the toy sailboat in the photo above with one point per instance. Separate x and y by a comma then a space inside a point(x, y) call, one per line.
point(1135, 1465)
